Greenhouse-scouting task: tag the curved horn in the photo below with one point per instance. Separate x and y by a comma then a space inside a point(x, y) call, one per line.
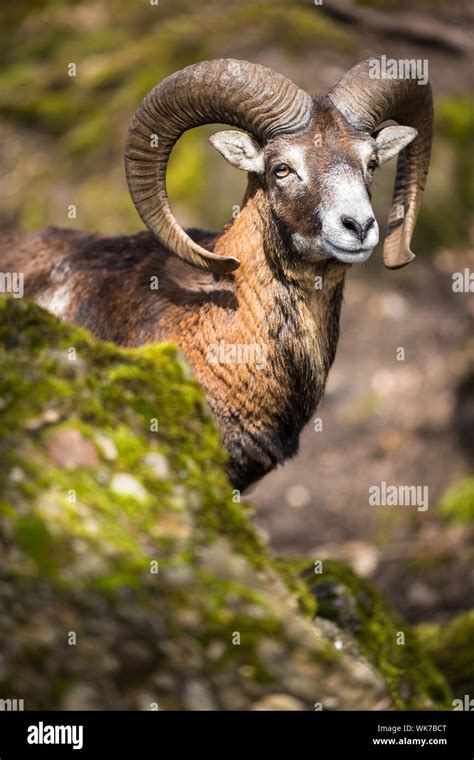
point(366, 101)
point(233, 92)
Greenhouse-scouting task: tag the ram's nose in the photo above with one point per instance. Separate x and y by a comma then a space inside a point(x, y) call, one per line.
point(358, 229)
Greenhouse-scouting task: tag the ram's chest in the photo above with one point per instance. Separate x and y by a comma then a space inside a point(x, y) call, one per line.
point(288, 361)
point(264, 366)
point(302, 357)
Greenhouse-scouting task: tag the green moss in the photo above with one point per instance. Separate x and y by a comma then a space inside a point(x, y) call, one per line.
point(351, 602)
point(451, 647)
point(291, 570)
point(34, 538)
point(457, 503)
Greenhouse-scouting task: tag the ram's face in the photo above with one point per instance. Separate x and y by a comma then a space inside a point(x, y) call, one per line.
point(319, 183)
point(319, 190)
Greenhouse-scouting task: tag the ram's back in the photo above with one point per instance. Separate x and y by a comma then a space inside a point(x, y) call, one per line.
point(126, 289)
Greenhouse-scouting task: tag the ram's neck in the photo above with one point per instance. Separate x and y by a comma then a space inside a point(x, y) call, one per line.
point(286, 323)
point(291, 304)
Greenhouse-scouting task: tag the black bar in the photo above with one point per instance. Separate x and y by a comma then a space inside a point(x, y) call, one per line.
point(161, 733)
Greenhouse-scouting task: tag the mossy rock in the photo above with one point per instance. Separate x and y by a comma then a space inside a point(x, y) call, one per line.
point(383, 637)
point(131, 576)
point(451, 647)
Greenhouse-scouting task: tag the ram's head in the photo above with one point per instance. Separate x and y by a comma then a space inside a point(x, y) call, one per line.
point(315, 157)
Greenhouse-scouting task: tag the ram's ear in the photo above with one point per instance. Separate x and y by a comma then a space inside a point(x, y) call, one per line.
point(391, 140)
point(240, 150)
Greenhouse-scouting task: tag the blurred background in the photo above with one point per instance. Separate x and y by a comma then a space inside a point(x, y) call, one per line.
point(405, 422)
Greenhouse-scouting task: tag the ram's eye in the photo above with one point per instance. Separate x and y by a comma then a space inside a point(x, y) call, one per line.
point(372, 165)
point(281, 171)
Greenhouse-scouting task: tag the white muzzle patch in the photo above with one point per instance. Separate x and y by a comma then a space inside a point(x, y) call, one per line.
point(349, 231)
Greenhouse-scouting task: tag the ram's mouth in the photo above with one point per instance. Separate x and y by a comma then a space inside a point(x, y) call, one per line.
point(347, 255)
